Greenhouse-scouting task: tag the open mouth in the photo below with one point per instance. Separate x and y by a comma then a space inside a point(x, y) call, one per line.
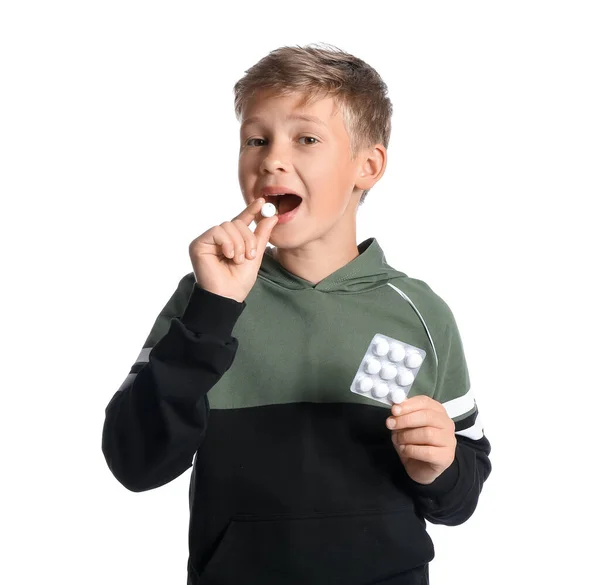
point(284, 203)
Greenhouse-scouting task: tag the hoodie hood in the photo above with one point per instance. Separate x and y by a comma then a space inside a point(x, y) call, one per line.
point(368, 271)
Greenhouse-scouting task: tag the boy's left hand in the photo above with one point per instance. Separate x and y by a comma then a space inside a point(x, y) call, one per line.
point(423, 435)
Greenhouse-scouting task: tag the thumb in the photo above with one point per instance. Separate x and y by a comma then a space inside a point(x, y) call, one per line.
point(263, 233)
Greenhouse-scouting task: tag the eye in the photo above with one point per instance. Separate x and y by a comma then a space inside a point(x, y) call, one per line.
point(251, 139)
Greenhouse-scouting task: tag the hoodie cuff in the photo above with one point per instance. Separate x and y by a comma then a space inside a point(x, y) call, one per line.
point(210, 313)
point(443, 484)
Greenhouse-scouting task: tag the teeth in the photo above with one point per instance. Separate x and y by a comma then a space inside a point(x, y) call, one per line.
point(276, 198)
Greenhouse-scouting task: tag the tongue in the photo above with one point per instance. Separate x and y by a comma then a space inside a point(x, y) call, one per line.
point(288, 202)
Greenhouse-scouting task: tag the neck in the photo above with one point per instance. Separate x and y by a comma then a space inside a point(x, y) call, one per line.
point(319, 258)
point(314, 265)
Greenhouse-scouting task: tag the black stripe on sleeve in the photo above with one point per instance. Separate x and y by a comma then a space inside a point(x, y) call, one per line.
point(465, 423)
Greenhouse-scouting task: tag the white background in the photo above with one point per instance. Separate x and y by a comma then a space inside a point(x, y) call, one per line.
point(119, 146)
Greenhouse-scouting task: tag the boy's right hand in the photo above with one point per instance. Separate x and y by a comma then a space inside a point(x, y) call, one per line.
point(222, 256)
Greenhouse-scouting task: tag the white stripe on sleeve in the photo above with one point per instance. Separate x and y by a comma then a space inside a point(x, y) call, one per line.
point(460, 405)
point(405, 297)
point(144, 356)
point(475, 432)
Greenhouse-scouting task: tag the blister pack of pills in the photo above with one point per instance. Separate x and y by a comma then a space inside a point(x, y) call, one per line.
point(388, 370)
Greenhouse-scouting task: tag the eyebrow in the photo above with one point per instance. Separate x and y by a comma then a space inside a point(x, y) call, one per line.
point(303, 117)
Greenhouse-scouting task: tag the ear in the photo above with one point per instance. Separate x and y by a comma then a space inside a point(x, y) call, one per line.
point(372, 166)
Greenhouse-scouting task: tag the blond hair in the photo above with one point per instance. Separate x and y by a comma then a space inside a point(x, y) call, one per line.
point(325, 71)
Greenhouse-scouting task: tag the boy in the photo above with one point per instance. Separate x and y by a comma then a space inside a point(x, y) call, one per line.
point(297, 480)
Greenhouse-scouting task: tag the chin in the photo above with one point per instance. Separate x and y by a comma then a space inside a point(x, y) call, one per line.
point(293, 241)
point(286, 241)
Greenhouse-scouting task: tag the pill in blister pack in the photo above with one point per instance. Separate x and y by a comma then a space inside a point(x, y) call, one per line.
point(388, 370)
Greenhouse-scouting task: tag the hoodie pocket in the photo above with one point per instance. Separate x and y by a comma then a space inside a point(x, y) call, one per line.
point(350, 549)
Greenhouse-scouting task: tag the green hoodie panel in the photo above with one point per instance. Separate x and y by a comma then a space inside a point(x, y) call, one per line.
point(306, 346)
point(301, 342)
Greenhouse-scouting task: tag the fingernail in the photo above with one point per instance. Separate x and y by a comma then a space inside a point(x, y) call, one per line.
point(252, 253)
point(391, 423)
point(240, 257)
point(402, 447)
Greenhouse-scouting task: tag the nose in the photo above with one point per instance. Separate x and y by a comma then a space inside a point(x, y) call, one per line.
point(275, 159)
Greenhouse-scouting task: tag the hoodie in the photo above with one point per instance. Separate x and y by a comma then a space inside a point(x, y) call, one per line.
point(295, 479)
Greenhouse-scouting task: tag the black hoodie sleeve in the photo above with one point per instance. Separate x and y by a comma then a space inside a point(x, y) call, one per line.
point(157, 420)
point(452, 498)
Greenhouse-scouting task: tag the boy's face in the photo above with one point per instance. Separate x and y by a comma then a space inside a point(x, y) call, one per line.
point(309, 158)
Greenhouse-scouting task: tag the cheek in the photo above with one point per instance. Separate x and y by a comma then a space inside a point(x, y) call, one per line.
point(244, 182)
point(335, 183)
point(242, 170)
point(321, 173)
point(247, 190)
point(245, 161)
point(245, 176)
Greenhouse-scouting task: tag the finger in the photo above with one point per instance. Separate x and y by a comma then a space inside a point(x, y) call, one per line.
point(248, 236)
point(421, 436)
point(419, 418)
point(263, 233)
point(417, 403)
point(222, 239)
point(427, 453)
point(237, 240)
point(252, 212)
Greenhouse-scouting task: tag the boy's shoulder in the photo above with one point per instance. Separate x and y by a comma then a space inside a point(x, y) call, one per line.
point(419, 293)
point(432, 307)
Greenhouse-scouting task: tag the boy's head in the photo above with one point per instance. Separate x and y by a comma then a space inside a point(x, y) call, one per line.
point(332, 161)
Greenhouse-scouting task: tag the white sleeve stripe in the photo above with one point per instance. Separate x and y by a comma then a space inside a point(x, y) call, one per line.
point(405, 296)
point(144, 355)
point(460, 405)
point(475, 432)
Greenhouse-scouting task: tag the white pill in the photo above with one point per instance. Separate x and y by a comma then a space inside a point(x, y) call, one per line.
point(405, 378)
point(413, 360)
point(388, 372)
point(373, 366)
point(364, 384)
point(381, 347)
point(268, 210)
point(397, 353)
point(398, 395)
point(381, 390)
